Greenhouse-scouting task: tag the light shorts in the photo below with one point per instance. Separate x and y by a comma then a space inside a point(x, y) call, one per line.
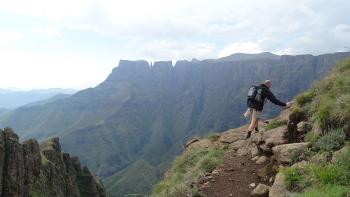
point(252, 112)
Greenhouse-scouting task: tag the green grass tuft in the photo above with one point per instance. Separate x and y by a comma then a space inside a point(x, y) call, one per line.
point(274, 124)
point(312, 137)
point(293, 177)
point(305, 97)
point(325, 191)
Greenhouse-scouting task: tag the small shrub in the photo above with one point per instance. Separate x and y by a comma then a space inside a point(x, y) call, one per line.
point(208, 164)
point(274, 124)
point(293, 177)
point(332, 140)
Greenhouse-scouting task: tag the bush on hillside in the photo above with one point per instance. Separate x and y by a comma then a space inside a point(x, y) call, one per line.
point(331, 141)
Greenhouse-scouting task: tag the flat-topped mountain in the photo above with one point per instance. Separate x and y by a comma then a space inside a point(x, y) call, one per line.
point(30, 169)
point(245, 57)
point(141, 115)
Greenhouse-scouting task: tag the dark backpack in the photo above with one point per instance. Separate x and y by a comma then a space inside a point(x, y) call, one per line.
point(254, 93)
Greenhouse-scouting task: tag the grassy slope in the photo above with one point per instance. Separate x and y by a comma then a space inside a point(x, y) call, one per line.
point(327, 104)
point(188, 168)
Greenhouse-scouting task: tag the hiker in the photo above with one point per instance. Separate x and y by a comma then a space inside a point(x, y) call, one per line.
point(256, 99)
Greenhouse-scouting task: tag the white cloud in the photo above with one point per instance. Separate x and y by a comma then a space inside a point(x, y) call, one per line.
point(43, 70)
point(49, 31)
point(240, 47)
point(164, 30)
point(8, 37)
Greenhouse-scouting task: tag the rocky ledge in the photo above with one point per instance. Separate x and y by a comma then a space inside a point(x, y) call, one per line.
point(30, 169)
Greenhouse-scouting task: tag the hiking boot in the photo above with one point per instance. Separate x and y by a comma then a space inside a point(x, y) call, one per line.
point(248, 135)
point(256, 130)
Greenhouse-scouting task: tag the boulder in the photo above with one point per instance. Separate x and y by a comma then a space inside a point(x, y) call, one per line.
point(204, 143)
point(275, 136)
point(255, 158)
point(321, 157)
point(257, 138)
point(284, 115)
point(233, 135)
point(263, 159)
point(261, 191)
point(236, 145)
point(304, 127)
point(265, 148)
point(254, 151)
point(336, 154)
point(269, 170)
point(243, 151)
point(278, 189)
point(191, 141)
point(284, 153)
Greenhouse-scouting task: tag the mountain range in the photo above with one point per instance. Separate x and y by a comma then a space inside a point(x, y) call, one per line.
point(130, 127)
point(13, 98)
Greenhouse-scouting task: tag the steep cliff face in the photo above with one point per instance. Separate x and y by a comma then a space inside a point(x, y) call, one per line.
point(30, 169)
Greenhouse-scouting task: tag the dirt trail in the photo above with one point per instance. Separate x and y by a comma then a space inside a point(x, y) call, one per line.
point(234, 177)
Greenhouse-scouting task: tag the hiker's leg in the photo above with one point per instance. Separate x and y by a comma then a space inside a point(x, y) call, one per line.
point(257, 125)
point(251, 127)
point(253, 124)
point(256, 115)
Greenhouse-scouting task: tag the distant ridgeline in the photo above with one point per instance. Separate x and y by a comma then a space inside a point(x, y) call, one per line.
point(30, 169)
point(129, 128)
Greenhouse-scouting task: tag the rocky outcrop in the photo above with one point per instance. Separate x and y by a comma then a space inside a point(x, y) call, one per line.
point(285, 153)
point(30, 169)
point(278, 189)
point(261, 191)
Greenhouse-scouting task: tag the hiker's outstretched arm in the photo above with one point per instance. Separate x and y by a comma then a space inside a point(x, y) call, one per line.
point(274, 100)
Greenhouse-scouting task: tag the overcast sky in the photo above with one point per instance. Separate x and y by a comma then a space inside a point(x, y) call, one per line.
point(76, 43)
